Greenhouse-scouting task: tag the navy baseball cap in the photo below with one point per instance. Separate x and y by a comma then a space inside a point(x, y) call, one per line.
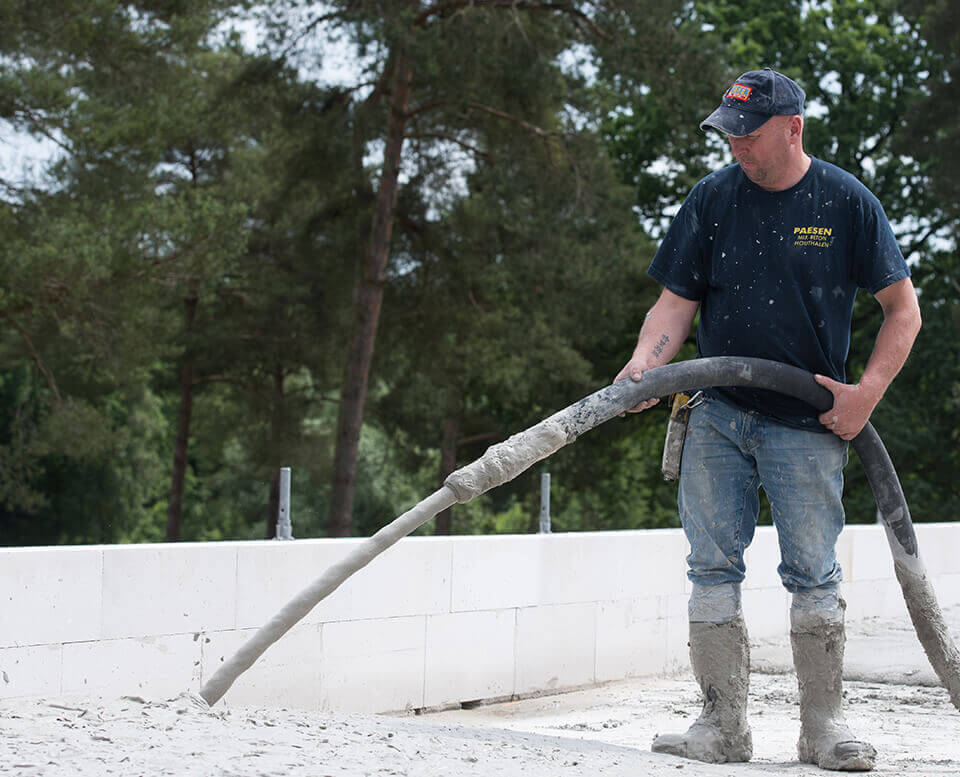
point(753, 99)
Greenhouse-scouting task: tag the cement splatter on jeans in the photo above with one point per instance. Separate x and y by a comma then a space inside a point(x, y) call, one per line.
point(729, 453)
point(714, 604)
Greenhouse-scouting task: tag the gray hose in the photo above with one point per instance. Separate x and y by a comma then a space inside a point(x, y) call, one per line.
point(506, 460)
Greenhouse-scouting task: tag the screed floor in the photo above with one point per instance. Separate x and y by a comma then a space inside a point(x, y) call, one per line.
point(598, 731)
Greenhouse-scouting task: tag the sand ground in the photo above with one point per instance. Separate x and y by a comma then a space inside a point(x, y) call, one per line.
point(603, 731)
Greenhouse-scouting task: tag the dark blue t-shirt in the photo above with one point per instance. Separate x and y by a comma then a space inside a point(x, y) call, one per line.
point(776, 273)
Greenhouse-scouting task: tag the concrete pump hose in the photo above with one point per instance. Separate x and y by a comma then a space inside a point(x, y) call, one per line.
point(506, 460)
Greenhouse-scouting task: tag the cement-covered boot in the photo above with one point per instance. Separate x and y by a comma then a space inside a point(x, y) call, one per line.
point(825, 739)
point(720, 656)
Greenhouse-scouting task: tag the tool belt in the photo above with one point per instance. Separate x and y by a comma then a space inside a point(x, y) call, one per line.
point(680, 407)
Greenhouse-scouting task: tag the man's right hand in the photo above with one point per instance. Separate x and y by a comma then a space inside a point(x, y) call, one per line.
point(634, 371)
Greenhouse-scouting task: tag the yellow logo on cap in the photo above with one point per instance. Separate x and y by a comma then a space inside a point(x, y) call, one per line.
point(740, 92)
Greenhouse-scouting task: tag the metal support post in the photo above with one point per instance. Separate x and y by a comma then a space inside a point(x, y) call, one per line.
point(284, 523)
point(545, 503)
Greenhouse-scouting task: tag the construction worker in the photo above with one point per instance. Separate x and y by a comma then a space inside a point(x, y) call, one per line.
point(771, 251)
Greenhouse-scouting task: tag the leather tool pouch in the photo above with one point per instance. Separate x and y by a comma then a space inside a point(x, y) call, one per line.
point(680, 408)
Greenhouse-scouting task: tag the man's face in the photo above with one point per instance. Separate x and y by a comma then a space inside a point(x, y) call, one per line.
point(764, 155)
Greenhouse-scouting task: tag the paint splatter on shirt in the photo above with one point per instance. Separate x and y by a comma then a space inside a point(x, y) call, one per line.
point(776, 273)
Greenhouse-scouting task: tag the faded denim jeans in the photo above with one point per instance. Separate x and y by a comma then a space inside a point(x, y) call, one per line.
point(728, 455)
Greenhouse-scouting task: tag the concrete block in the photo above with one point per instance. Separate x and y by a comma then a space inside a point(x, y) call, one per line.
point(556, 646)
point(30, 671)
point(767, 612)
point(873, 599)
point(150, 590)
point(469, 655)
point(269, 574)
point(678, 634)
point(762, 559)
point(495, 572)
point(947, 590)
point(411, 578)
point(581, 567)
point(373, 666)
point(649, 563)
point(287, 675)
point(155, 667)
point(49, 595)
point(939, 545)
point(674, 607)
point(631, 639)
point(844, 549)
point(871, 555)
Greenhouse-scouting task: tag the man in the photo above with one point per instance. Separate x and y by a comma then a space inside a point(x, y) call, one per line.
point(771, 251)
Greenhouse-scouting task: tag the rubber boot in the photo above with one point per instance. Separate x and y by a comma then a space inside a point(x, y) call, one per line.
point(825, 739)
point(720, 656)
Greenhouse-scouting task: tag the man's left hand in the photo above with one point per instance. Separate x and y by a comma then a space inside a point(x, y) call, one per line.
point(852, 406)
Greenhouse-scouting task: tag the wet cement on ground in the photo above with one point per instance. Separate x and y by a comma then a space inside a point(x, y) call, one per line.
point(598, 731)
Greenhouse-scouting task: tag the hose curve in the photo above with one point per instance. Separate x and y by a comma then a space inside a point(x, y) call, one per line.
point(506, 460)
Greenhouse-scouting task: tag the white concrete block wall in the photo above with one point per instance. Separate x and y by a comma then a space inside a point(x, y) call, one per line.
point(556, 647)
point(469, 656)
point(432, 622)
point(49, 595)
point(288, 676)
point(149, 590)
point(631, 638)
point(31, 671)
point(371, 665)
point(160, 666)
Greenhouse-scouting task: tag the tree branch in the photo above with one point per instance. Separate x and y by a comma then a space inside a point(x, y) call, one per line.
point(308, 29)
point(424, 108)
point(517, 5)
point(473, 301)
point(450, 138)
point(11, 189)
point(542, 133)
point(918, 243)
point(40, 126)
point(36, 356)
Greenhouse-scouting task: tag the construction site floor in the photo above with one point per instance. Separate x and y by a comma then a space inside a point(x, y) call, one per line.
point(603, 730)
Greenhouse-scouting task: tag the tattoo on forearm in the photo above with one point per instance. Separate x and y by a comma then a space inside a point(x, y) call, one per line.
point(658, 348)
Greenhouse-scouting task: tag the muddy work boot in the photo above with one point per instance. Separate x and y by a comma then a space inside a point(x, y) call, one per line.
point(720, 656)
point(825, 739)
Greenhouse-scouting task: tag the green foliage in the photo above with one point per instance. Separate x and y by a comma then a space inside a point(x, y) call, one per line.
point(533, 192)
point(865, 67)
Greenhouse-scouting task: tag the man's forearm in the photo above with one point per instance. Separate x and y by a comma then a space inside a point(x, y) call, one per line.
point(661, 336)
point(890, 351)
point(853, 405)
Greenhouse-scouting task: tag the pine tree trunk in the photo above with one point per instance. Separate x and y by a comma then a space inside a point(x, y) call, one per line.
point(368, 298)
point(448, 463)
point(175, 504)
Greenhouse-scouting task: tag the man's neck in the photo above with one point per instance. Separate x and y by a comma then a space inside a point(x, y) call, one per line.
point(792, 175)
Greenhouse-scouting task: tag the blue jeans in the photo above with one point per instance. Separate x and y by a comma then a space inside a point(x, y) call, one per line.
point(728, 454)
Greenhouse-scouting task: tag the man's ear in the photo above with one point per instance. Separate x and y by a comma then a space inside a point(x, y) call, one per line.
point(796, 126)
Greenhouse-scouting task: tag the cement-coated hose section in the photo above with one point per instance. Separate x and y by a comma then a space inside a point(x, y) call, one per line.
point(506, 460)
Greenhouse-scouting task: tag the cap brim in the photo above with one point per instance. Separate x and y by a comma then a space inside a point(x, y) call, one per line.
point(731, 121)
